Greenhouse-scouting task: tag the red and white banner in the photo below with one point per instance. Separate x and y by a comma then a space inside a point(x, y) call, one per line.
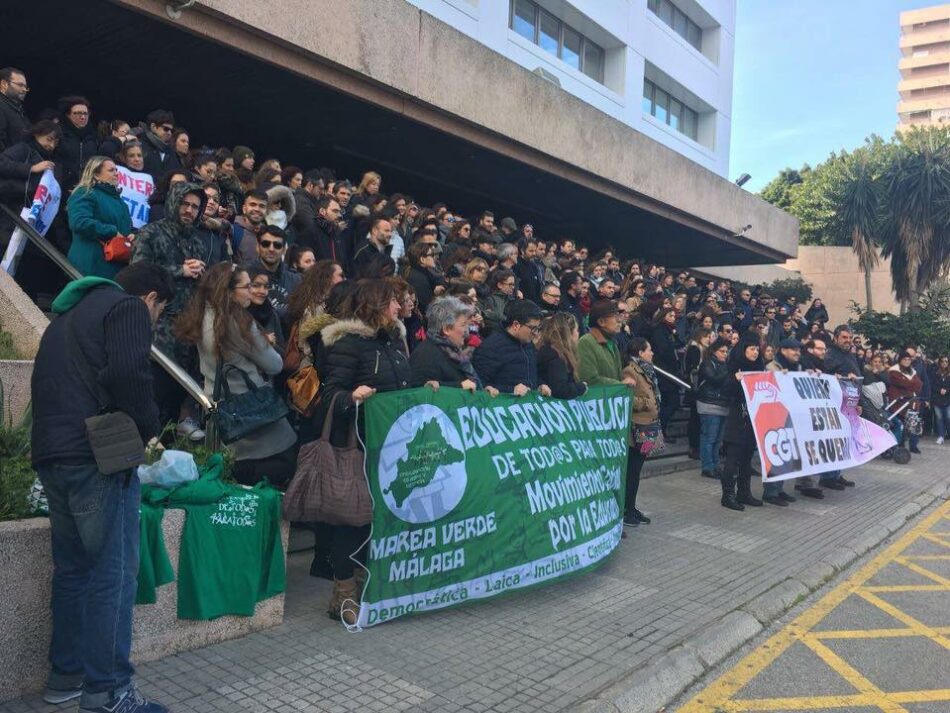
point(39, 214)
point(135, 189)
point(809, 423)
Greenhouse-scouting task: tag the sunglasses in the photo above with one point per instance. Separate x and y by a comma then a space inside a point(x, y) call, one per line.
point(276, 244)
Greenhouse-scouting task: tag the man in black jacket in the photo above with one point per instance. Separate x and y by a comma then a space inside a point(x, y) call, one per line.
point(307, 198)
point(13, 121)
point(79, 142)
point(95, 355)
point(157, 149)
point(529, 270)
point(271, 248)
point(507, 360)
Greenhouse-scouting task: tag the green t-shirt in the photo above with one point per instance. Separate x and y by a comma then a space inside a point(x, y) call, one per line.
point(231, 554)
point(155, 569)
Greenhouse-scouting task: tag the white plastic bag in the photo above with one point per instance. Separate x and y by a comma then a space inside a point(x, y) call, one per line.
point(173, 468)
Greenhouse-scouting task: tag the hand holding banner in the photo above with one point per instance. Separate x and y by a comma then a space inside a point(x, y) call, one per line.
point(809, 423)
point(475, 496)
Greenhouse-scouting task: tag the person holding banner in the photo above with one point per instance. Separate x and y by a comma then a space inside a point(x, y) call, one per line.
point(788, 358)
point(442, 358)
point(739, 437)
point(96, 215)
point(22, 166)
point(712, 404)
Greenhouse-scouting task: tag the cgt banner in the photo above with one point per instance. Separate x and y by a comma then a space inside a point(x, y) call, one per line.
point(476, 496)
point(809, 423)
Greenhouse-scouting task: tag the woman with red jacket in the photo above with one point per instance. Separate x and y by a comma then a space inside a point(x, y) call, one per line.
point(903, 383)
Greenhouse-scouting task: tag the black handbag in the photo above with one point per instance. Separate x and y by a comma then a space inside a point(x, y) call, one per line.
point(239, 415)
point(113, 436)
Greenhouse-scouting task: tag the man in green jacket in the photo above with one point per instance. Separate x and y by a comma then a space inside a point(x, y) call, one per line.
point(597, 352)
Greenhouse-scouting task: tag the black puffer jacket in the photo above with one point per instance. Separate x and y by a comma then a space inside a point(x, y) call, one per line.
point(424, 283)
point(75, 148)
point(504, 362)
point(558, 375)
point(358, 355)
point(714, 376)
point(430, 363)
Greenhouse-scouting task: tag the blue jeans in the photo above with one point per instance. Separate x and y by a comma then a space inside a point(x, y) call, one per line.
point(942, 420)
point(830, 475)
point(94, 520)
point(772, 489)
point(710, 439)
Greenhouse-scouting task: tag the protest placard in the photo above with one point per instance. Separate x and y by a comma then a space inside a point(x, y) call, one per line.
point(135, 188)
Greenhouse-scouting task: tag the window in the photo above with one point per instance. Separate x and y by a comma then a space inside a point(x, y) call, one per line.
point(669, 110)
point(678, 20)
point(550, 34)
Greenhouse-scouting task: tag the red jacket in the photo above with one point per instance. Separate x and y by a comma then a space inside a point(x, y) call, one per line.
point(900, 385)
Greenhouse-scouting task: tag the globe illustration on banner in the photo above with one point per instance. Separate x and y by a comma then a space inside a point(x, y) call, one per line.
point(422, 465)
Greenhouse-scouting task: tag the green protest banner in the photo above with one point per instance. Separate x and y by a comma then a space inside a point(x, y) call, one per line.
point(475, 496)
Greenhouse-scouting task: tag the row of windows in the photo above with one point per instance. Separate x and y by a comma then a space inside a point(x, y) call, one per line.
point(542, 28)
point(670, 110)
point(677, 19)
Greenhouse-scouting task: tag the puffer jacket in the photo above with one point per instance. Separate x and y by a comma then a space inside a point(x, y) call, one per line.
point(504, 362)
point(714, 376)
point(358, 355)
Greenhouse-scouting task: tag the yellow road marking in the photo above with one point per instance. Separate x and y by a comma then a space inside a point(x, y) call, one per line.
point(720, 694)
point(922, 571)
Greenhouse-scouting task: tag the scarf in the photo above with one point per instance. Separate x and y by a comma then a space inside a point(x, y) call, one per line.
point(650, 373)
point(261, 313)
point(461, 356)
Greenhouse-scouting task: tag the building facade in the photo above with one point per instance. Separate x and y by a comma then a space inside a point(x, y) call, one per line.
point(662, 67)
point(924, 85)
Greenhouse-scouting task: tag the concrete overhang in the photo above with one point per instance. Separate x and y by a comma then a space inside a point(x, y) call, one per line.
point(433, 75)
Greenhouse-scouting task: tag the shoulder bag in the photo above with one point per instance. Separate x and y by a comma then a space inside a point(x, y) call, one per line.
point(113, 436)
point(329, 485)
point(239, 415)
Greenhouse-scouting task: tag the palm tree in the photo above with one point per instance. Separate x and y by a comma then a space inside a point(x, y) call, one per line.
point(856, 219)
point(915, 208)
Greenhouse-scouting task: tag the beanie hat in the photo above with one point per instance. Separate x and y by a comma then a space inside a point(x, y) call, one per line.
point(240, 153)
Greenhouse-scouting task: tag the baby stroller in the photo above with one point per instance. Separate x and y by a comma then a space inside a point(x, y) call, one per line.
point(875, 409)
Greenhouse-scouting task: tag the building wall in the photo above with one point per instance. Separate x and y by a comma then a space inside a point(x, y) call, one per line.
point(637, 44)
point(924, 86)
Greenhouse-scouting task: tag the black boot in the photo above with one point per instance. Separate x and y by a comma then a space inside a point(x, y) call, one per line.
point(729, 501)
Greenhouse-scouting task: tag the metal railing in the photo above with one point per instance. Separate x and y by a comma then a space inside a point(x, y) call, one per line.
point(181, 376)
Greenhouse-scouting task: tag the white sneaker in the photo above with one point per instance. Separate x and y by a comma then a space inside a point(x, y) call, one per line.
point(939, 440)
point(189, 428)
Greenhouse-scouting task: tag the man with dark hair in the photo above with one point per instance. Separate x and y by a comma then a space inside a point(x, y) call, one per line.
point(507, 360)
point(485, 230)
point(377, 242)
point(157, 150)
point(308, 198)
point(249, 224)
point(326, 237)
point(529, 270)
point(13, 120)
point(343, 191)
point(271, 248)
point(571, 285)
point(79, 142)
point(95, 355)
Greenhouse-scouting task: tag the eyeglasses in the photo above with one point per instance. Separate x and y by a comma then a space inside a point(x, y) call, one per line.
point(167, 128)
point(191, 206)
point(727, 331)
point(276, 244)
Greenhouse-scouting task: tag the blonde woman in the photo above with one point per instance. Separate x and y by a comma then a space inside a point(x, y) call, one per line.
point(557, 356)
point(367, 190)
point(96, 214)
point(476, 272)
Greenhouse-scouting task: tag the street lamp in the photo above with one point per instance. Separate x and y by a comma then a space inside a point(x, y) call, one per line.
point(743, 179)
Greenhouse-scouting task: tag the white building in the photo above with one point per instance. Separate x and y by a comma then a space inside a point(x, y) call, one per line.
point(663, 67)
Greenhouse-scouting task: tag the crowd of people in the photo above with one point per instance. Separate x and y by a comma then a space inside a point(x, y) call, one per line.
point(270, 269)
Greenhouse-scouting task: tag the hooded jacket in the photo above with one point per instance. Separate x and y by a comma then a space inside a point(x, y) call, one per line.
point(168, 243)
point(112, 331)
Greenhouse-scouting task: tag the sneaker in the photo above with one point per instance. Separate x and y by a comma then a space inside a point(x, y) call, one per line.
point(832, 485)
point(630, 520)
point(775, 500)
point(846, 483)
point(129, 702)
point(58, 696)
point(939, 440)
point(787, 498)
point(189, 428)
point(643, 519)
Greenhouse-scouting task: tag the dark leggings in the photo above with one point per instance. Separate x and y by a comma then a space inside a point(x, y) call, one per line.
point(737, 473)
point(692, 430)
point(277, 469)
point(635, 461)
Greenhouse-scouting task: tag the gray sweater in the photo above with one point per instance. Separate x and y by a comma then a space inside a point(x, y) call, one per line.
point(259, 361)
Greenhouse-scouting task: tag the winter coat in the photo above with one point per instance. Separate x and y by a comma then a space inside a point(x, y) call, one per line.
point(841, 363)
point(817, 314)
point(940, 382)
point(714, 376)
point(424, 283)
point(920, 366)
point(357, 355)
point(599, 361)
point(13, 122)
point(304, 220)
point(112, 330)
point(17, 183)
point(901, 385)
point(573, 307)
point(159, 157)
point(738, 429)
point(645, 409)
point(663, 341)
point(96, 215)
point(75, 148)
point(504, 362)
point(168, 243)
point(554, 371)
point(281, 283)
point(493, 309)
point(366, 252)
point(530, 274)
point(216, 235)
point(429, 362)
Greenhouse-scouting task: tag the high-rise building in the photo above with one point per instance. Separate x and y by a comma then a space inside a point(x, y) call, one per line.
point(663, 67)
point(925, 67)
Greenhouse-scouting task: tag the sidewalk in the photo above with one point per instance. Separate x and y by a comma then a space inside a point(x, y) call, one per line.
point(548, 649)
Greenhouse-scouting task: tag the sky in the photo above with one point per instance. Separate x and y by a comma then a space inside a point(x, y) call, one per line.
point(811, 77)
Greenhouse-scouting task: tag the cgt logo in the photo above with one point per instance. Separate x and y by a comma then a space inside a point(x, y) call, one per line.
point(764, 392)
point(781, 448)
